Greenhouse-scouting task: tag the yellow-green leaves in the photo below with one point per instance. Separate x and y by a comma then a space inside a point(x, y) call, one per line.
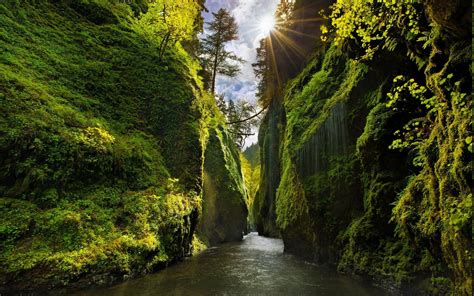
point(95, 138)
point(173, 18)
point(373, 23)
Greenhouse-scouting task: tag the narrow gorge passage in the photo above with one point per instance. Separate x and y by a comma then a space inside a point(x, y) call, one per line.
point(145, 143)
point(255, 266)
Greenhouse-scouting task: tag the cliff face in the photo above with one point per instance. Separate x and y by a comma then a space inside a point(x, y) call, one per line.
point(335, 161)
point(264, 204)
point(337, 187)
point(224, 210)
point(289, 52)
point(101, 147)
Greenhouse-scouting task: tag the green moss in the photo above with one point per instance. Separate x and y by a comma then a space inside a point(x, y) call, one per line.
point(99, 145)
point(82, 237)
point(319, 199)
point(342, 210)
point(406, 164)
point(436, 205)
point(317, 91)
point(431, 217)
point(290, 204)
point(198, 245)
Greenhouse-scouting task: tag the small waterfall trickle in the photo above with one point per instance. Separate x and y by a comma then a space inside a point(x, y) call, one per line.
point(271, 148)
point(331, 139)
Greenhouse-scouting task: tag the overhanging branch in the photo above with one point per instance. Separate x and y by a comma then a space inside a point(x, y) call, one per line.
point(241, 134)
point(249, 118)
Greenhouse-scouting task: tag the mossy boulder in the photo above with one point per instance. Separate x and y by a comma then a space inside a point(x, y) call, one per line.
point(224, 208)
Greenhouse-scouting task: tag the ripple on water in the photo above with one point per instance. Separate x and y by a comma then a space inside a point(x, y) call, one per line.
point(255, 266)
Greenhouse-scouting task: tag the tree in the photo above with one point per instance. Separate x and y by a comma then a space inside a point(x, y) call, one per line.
point(216, 59)
point(193, 46)
point(240, 120)
point(221, 103)
point(240, 117)
point(285, 11)
point(262, 71)
point(170, 21)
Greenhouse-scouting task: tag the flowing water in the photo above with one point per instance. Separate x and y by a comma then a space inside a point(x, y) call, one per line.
point(329, 140)
point(255, 266)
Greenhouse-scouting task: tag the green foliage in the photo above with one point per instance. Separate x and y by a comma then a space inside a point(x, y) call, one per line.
point(434, 121)
point(85, 236)
point(240, 119)
point(375, 24)
point(173, 17)
point(168, 22)
point(198, 245)
point(405, 94)
point(407, 91)
point(263, 72)
point(252, 154)
point(251, 176)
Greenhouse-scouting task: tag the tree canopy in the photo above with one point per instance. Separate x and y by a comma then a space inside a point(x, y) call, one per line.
point(170, 21)
point(241, 118)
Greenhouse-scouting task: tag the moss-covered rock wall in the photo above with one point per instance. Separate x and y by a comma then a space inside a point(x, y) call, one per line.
point(224, 209)
point(101, 147)
point(376, 185)
point(264, 203)
point(320, 188)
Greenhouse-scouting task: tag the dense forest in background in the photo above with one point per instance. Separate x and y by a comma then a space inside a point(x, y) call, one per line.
point(117, 157)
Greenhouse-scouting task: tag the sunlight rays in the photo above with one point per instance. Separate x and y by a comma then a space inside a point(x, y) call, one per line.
point(299, 33)
point(288, 43)
point(282, 37)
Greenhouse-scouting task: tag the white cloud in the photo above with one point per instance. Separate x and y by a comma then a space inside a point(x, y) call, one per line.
point(252, 139)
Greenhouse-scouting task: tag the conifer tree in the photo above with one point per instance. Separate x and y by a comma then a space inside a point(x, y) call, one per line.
point(216, 59)
point(262, 71)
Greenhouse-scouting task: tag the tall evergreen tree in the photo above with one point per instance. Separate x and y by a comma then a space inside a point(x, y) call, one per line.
point(221, 103)
point(216, 59)
point(262, 71)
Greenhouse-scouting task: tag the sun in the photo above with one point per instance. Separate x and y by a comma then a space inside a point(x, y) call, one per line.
point(267, 25)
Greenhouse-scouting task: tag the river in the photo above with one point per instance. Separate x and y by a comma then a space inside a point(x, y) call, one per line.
point(255, 266)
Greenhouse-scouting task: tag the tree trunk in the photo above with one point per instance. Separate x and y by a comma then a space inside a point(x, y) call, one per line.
point(214, 71)
point(163, 45)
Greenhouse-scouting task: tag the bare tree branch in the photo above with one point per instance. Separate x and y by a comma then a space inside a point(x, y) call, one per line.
point(240, 134)
point(249, 118)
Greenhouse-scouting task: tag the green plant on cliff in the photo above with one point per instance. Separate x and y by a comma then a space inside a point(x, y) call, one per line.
point(251, 176)
point(168, 22)
point(374, 24)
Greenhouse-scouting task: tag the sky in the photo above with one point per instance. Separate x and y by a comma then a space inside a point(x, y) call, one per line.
point(248, 15)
